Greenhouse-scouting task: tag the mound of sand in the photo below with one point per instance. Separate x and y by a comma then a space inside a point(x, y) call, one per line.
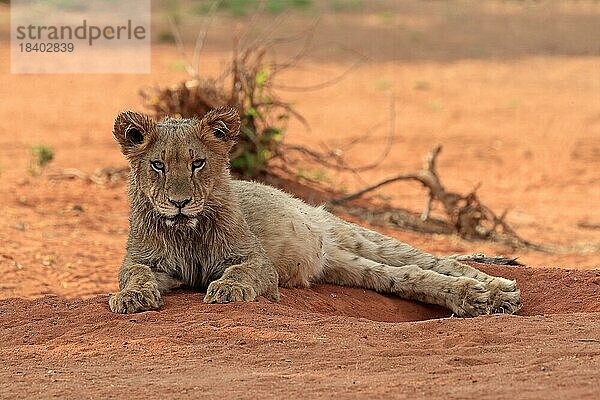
point(315, 342)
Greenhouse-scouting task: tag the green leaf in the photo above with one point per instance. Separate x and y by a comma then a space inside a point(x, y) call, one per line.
point(253, 112)
point(262, 76)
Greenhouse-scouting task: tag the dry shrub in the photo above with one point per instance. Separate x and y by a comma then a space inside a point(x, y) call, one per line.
point(245, 84)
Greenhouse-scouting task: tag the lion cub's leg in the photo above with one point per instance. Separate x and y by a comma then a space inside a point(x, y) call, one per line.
point(387, 250)
point(245, 282)
point(139, 290)
point(505, 296)
point(464, 296)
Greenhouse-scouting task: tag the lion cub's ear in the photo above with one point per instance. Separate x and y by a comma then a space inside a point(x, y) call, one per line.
point(222, 123)
point(133, 131)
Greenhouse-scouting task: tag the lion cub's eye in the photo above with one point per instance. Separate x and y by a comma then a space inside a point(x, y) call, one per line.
point(158, 166)
point(198, 164)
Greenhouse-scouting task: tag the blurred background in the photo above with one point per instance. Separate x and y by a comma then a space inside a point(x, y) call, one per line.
point(509, 89)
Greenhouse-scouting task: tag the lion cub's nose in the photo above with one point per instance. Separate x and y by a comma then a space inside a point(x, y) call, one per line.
point(180, 203)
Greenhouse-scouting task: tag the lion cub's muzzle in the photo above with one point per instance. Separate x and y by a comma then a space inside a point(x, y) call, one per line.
point(184, 212)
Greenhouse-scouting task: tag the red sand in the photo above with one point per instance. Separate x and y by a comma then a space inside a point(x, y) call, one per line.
point(326, 341)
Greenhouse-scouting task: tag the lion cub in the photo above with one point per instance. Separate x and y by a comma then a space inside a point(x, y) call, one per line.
point(192, 224)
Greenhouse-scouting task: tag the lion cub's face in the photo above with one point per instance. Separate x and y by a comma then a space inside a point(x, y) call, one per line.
point(177, 162)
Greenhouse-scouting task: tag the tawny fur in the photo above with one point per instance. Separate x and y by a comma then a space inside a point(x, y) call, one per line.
point(192, 224)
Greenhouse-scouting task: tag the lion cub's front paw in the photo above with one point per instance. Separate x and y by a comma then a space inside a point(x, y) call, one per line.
point(132, 300)
point(228, 291)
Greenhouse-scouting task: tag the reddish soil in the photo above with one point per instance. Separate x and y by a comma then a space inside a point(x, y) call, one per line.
point(321, 342)
point(511, 91)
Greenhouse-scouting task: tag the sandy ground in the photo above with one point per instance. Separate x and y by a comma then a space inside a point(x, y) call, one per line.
point(321, 342)
point(511, 91)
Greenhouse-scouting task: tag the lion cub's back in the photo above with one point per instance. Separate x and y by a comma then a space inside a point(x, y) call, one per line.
point(293, 234)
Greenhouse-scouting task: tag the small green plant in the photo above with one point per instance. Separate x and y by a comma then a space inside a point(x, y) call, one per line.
point(256, 150)
point(386, 17)
point(177, 65)
point(259, 135)
point(41, 155)
point(240, 8)
point(165, 37)
point(237, 8)
point(202, 8)
point(173, 10)
point(345, 5)
point(279, 6)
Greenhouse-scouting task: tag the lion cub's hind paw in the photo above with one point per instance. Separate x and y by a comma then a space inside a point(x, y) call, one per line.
point(505, 296)
point(130, 301)
point(228, 291)
point(473, 299)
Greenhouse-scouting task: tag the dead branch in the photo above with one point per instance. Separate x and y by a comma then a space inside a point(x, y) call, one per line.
point(467, 214)
point(427, 176)
point(320, 85)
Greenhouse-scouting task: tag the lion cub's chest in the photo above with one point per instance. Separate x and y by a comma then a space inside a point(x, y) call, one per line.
point(187, 262)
